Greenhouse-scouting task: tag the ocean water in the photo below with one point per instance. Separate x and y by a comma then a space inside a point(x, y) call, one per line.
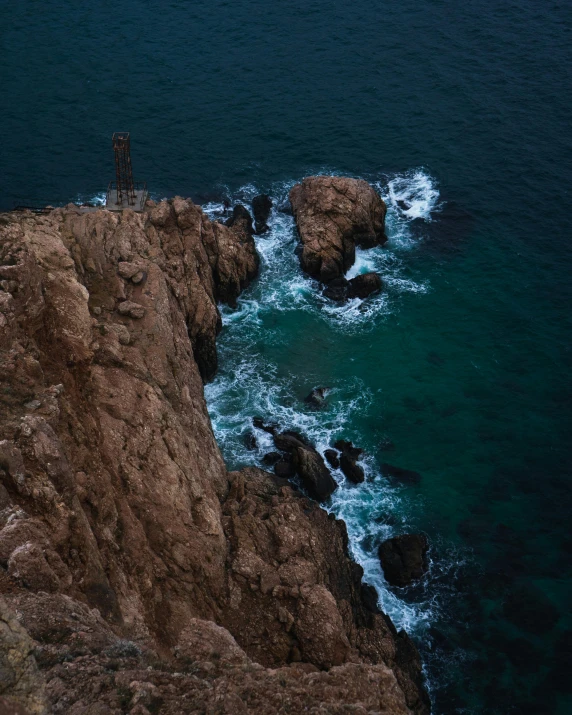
point(460, 368)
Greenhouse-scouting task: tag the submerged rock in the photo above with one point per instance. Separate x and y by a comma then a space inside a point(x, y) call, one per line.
point(398, 474)
point(403, 558)
point(333, 215)
point(261, 207)
point(270, 427)
point(317, 398)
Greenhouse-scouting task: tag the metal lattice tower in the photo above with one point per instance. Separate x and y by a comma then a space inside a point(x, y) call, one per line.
point(123, 170)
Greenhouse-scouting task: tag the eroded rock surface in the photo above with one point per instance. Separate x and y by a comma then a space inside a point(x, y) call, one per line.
point(123, 539)
point(334, 214)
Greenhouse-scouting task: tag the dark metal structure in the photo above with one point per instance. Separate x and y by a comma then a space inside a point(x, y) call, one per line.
point(123, 170)
point(124, 192)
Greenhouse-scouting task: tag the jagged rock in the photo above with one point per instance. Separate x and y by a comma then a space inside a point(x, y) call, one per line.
point(361, 286)
point(261, 207)
point(348, 461)
point(333, 215)
point(400, 475)
point(403, 558)
point(250, 441)
point(314, 474)
point(271, 458)
point(364, 285)
point(240, 219)
point(259, 423)
point(21, 684)
point(317, 397)
point(332, 458)
point(336, 290)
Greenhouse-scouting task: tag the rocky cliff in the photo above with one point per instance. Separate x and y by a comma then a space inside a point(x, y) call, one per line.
point(149, 578)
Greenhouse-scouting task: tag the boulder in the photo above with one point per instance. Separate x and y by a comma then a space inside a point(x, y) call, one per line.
point(400, 475)
point(337, 290)
point(271, 458)
point(348, 458)
point(317, 398)
point(333, 215)
point(261, 207)
point(313, 472)
point(332, 458)
point(364, 285)
point(403, 558)
point(288, 440)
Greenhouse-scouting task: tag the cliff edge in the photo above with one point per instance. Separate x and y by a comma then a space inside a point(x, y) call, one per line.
point(149, 578)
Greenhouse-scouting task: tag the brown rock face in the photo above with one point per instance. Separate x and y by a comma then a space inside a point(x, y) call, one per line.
point(333, 215)
point(21, 685)
point(123, 539)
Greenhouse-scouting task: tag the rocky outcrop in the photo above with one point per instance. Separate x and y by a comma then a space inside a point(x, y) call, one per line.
point(301, 458)
point(123, 539)
point(361, 286)
point(349, 456)
point(261, 207)
point(334, 214)
point(404, 558)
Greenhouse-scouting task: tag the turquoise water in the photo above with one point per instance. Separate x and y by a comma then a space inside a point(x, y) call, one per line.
point(462, 364)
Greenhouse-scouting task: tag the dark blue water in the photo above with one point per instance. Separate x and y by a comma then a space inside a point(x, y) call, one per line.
point(462, 365)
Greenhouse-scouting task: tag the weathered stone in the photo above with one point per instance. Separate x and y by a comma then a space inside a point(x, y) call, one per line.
point(333, 215)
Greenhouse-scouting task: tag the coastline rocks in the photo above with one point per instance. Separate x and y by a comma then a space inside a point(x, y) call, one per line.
point(400, 475)
point(348, 458)
point(333, 215)
point(317, 397)
point(241, 220)
point(362, 286)
point(403, 558)
point(332, 458)
point(115, 486)
point(259, 423)
point(261, 207)
point(306, 462)
point(313, 472)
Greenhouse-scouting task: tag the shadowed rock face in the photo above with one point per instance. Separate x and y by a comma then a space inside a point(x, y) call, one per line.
point(404, 558)
point(335, 214)
point(120, 528)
